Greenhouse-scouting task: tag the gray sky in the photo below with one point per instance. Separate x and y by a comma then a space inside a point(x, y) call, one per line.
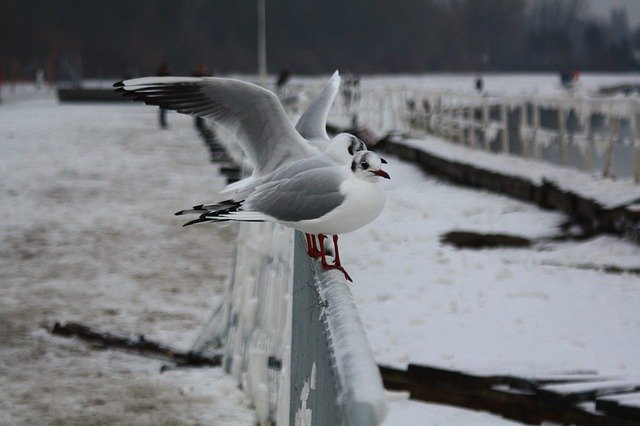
point(602, 8)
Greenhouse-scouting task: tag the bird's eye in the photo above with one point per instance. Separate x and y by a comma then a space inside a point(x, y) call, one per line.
point(364, 165)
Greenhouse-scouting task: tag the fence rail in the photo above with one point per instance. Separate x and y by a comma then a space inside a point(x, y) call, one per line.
point(586, 132)
point(291, 336)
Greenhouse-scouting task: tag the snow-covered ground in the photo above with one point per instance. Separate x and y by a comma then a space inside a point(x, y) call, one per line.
point(88, 235)
point(547, 84)
point(524, 311)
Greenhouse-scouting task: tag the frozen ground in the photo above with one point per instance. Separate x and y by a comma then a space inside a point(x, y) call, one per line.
point(547, 84)
point(88, 235)
point(524, 311)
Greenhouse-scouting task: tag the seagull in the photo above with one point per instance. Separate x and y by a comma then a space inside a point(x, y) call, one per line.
point(256, 117)
point(328, 200)
point(253, 114)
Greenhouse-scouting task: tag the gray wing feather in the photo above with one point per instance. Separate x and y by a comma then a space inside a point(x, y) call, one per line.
point(251, 113)
point(313, 122)
point(309, 195)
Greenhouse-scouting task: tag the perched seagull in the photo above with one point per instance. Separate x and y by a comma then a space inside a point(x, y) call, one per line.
point(328, 200)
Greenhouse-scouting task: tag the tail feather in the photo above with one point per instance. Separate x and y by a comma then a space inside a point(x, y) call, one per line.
point(221, 212)
point(206, 208)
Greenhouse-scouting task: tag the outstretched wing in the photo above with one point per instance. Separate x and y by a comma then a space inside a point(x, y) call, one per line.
point(251, 113)
point(313, 123)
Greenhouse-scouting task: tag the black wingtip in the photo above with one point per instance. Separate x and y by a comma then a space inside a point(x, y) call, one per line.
point(119, 84)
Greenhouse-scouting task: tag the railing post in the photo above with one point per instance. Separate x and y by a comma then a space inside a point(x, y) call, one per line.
point(588, 139)
point(460, 120)
point(471, 116)
point(635, 113)
point(505, 128)
point(524, 140)
point(562, 129)
point(537, 149)
point(612, 136)
point(485, 124)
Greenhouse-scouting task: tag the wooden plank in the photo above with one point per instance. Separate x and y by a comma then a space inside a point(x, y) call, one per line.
point(585, 391)
point(511, 397)
point(626, 405)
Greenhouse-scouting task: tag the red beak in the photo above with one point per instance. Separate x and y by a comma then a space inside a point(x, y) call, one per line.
point(381, 173)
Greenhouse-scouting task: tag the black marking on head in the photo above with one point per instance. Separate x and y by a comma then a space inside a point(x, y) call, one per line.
point(352, 146)
point(353, 166)
point(356, 145)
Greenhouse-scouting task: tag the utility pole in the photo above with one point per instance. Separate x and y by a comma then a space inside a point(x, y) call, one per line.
point(262, 43)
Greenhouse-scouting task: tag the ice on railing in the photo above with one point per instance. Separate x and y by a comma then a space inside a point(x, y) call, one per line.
point(361, 392)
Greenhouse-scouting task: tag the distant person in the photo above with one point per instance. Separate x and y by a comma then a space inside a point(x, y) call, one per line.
point(39, 78)
point(163, 71)
point(479, 84)
point(281, 82)
point(426, 105)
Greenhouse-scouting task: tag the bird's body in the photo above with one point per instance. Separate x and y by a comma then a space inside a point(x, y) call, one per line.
point(328, 200)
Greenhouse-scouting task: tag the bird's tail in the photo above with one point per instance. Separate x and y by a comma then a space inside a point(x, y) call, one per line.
point(221, 212)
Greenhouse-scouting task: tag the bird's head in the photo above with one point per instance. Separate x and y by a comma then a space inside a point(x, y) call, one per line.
point(367, 165)
point(342, 147)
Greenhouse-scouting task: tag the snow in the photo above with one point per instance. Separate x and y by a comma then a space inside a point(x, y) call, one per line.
point(415, 413)
point(88, 235)
point(609, 193)
point(547, 84)
point(488, 311)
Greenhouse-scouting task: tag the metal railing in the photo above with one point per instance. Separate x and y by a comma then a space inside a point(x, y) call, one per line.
point(291, 335)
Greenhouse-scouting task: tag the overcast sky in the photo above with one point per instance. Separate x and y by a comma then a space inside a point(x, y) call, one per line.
point(602, 8)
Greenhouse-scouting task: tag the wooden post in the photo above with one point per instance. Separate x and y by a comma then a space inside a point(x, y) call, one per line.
point(562, 130)
point(635, 114)
point(611, 141)
point(471, 116)
point(460, 121)
point(524, 140)
point(588, 138)
point(485, 124)
point(537, 149)
point(450, 119)
point(505, 128)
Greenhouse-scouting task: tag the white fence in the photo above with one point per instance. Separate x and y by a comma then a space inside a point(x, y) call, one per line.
point(587, 132)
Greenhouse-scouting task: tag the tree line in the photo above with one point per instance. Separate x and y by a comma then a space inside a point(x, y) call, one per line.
point(93, 38)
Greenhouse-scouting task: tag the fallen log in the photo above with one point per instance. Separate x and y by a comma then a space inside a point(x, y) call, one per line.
point(139, 345)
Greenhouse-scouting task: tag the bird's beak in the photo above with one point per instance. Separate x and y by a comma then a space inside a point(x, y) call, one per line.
point(381, 173)
point(383, 160)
